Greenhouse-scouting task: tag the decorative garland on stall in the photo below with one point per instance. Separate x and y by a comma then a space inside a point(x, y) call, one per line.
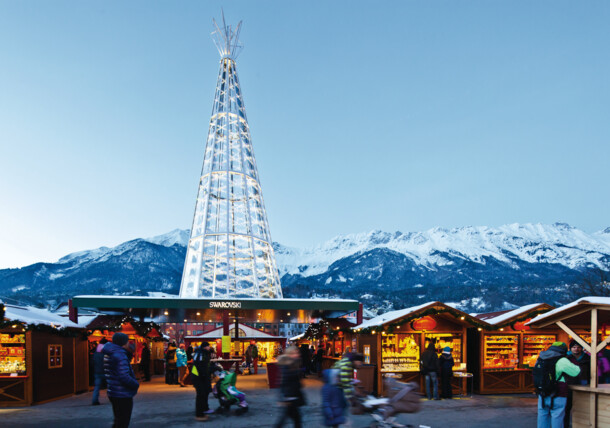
point(141, 327)
point(317, 330)
point(389, 328)
point(528, 315)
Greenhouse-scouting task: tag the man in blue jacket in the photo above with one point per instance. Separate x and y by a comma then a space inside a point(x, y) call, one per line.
point(122, 383)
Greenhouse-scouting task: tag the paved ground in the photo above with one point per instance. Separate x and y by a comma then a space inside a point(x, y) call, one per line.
point(160, 405)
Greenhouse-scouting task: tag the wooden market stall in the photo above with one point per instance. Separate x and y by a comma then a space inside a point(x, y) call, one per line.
point(393, 342)
point(591, 404)
point(141, 333)
point(508, 349)
point(43, 356)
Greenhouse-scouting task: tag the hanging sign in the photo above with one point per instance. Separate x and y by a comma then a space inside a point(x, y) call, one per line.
point(226, 344)
point(520, 325)
point(425, 323)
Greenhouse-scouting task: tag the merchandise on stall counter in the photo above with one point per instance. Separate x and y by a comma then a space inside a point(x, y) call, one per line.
point(399, 353)
point(501, 351)
point(533, 345)
point(12, 354)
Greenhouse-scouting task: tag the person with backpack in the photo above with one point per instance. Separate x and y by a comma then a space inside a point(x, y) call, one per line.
point(549, 375)
point(577, 356)
point(430, 368)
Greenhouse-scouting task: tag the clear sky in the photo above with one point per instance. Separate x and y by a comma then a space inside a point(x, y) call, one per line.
point(391, 115)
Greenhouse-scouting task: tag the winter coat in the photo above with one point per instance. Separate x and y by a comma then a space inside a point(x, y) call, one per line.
point(201, 361)
point(290, 386)
point(145, 356)
point(446, 365)
point(333, 400)
point(120, 378)
point(98, 363)
point(346, 376)
point(170, 356)
point(584, 362)
point(562, 367)
point(180, 357)
point(429, 362)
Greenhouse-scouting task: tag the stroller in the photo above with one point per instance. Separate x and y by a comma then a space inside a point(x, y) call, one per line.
point(402, 398)
point(228, 394)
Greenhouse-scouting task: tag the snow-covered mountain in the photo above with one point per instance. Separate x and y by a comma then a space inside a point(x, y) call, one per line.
point(480, 268)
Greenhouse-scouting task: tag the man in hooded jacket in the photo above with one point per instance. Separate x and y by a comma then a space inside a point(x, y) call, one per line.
point(551, 410)
point(121, 380)
point(202, 381)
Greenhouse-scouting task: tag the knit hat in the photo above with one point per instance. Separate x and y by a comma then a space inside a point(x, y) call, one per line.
point(560, 344)
point(120, 339)
point(446, 350)
point(573, 342)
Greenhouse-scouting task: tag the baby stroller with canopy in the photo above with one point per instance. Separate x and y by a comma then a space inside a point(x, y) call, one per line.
point(402, 398)
point(227, 393)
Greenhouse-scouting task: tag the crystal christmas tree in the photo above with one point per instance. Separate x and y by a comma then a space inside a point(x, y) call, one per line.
point(230, 252)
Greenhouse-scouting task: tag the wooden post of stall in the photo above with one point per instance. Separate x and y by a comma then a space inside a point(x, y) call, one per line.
point(593, 384)
point(225, 331)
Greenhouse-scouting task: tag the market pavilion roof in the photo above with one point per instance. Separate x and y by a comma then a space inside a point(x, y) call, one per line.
point(575, 310)
point(505, 317)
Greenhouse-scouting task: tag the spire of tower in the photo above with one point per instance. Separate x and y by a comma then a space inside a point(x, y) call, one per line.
point(230, 252)
point(226, 39)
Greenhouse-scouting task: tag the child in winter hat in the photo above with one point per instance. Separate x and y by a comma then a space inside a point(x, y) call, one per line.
point(446, 350)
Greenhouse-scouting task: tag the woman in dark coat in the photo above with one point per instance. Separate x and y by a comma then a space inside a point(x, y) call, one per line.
point(121, 380)
point(445, 362)
point(291, 395)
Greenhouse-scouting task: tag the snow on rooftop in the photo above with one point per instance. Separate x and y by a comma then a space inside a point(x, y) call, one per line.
point(595, 300)
point(32, 315)
point(391, 316)
point(510, 314)
point(297, 337)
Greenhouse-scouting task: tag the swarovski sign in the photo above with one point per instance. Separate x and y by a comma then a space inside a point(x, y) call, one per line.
point(225, 305)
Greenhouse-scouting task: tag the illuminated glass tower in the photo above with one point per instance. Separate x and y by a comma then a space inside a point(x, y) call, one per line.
point(230, 252)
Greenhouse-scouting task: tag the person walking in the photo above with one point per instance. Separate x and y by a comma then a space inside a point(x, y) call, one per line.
point(145, 361)
point(181, 364)
point(552, 404)
point(202, 381)
point(291, 394)
point(334, 404)
point(346, 366)
point(446, 372)
point(98, 372)
point(430, 368)
point(121, 380)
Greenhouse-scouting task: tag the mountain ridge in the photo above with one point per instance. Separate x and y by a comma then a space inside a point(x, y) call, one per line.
point(476, 267)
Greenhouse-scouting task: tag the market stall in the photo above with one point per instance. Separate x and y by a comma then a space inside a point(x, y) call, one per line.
point(43, 356)
point(591, 404)
point(140, 333)
point(393, 342)
point(269, 346)
point(508, 350)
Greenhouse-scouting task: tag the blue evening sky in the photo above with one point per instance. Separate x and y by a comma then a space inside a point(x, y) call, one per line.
point(391, 115)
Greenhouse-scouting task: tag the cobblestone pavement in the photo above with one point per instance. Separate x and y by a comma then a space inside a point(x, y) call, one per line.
point(160, 405)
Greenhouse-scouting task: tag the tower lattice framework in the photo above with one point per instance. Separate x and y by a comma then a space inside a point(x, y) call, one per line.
point(230, 252)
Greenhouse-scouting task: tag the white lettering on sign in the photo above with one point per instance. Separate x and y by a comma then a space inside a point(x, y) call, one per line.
point(225, 305)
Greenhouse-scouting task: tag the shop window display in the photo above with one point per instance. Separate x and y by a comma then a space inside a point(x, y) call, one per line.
point(501, 351)
point(533, 345)
point(399, 353)
point(12, 354)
